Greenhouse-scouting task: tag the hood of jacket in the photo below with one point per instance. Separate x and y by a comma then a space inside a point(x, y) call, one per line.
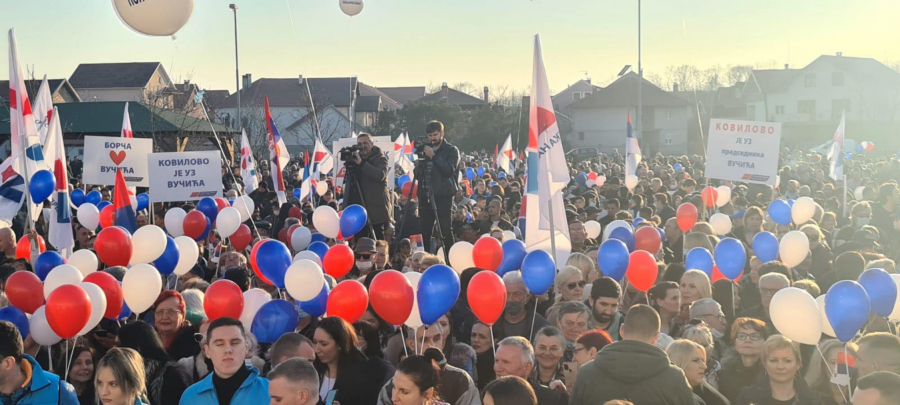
point(631, 361)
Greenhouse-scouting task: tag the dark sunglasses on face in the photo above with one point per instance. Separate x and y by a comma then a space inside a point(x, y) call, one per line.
point(578, 284)
point(364, 256)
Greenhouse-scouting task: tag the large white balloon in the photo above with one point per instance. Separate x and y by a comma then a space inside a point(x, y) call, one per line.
point(98, 305)
point(858, 193)
point(507, 235)
point(140, 286)
point(803, 210)
point(304, 280)
point(724, 195)
point(149, 244)
point(895, 315)
point(307, 255)
point(615, 224)
point(351, 7)
point(40, 330)
point(254, 299)
point(461, 256)
point(796, 315)
point(321, 188)
point(85, 261)
point(414, 320)
point(301, 238)
point(175, 221)
point(228, 221)
point(720, 223)
point(601, 180)
point(631, 181)
point(244, 205)
point(61, 275)
point(826, 324)
point(793, 248)
point(326, 221)
point(159, 18)
point(188, 252)
point(89, 216)
point(593, 229)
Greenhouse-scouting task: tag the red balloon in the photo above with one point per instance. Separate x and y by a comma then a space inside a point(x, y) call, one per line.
point(487, 253)
point(253, 262)
point(68, 310)
point(295, 212)
point(111, 289)
point(338, 261)
point(405, 190)
point(686, 215)
point(709, 196)
point(283, 236)
point(642, 270)
point(647, 238)
point(348, 301)
point(194, 224)
point(107, 216)
point(221, 203)
point(23, 248)
point(22, 290)
point(241, 238)
point(487, 296)
point(113, 246)
point(392, 296)
point(717, 275)
point(290, 232)
point(592, 176)
point(223, 299)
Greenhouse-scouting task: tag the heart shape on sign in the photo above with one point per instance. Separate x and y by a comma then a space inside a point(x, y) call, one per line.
point(117, 157)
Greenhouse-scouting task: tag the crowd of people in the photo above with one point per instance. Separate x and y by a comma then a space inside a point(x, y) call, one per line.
point(591, 339)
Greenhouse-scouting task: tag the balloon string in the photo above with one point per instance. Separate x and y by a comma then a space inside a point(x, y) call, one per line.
point(66, 359)
point(493, 347)
point(405, 350)
point(415, 340)
point(422, 346)
point(847, 360)
point(532, 318)
point(49, 359)
point(832, 373)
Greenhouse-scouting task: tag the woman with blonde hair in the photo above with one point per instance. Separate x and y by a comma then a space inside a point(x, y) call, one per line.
point(694, 285)
point(120, 377)
point(690, 357)
point(697, 239)
point(781, 361)
point(818, 375)
point(569, 284)
point(589, 270)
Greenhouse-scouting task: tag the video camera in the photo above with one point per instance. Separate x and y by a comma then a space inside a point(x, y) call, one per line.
point(346, 153)
point(421, 142)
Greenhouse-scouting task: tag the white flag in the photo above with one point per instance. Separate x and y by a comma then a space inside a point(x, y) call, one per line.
point(43, 109)
point(836, 152)
point(60, 212)
point(248, 165)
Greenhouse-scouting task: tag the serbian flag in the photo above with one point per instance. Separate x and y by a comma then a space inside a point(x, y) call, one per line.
point(248, 165)
point(122, 203)
point(836, 152)
point(305, 186)
point(278, 156)
point(43, 109)
point(547, 171)
point(60, 219)
point(632, 150)
point(506, 156)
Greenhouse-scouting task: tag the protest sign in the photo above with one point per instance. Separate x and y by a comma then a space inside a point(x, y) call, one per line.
point(104, 154)
point(745, 151)
point(185, 176)
point(382, 142)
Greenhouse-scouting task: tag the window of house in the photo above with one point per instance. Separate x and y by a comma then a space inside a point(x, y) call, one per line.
point(838, 106)
point(576, 96)
point(779, 109)
point(669, 114)
point(837, 79)
point(810, 80)
point(806, 107)
point(581, 136)
point(587, 93)
point(669, 140)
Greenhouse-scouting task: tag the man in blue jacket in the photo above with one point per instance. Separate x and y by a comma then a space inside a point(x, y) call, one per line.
point(22, 381)
point(231, 382)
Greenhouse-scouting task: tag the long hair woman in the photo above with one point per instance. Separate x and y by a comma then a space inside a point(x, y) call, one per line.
point(120, 378)
point(690, 357)
point(343, 367)
point(818, 375)
point(81, 374)
point(779, 384)
point(416, 382)
point(665, 298)
point(166, 381)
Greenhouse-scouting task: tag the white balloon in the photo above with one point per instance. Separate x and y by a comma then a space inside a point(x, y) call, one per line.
point(254, 299)
point(141, 286)
point(631, 181)
point(507, 235)
point(149, 244)
point(615, 224)
point(188, 252)
point(826, 324)
point(858, 193)
point(89, 216)
point(304, 280)
point(301, 238)
point(895, 315)
point(601, 180)
point(461, 256)
point(593, 229)
point(307, 255)
point(228, 221)
point(590, 183)
point(721, 223)
point(244, 205)
point(803, 210)
point(351, 7)
point(98, 305)
point(321, 188)
point(40, 330)
point(61, 275)
point(326, 221)
point(174, 221)
point(414, 320)
point(724, 195)
point(159, 18)
point(85, 261)
point(796, 315)
point(793, 248)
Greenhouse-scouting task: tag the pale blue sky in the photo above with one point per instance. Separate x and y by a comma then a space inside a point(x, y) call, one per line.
point(484, 42)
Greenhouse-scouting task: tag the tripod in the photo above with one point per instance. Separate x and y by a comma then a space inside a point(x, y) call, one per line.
point(350, 177)
point(423, 170)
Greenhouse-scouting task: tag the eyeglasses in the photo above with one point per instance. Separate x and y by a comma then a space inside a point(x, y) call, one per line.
point(719, 317)
point(768, 291)
point(572, 286)
point(364, 256)
point(167, 312)
point(518, 295)
point(578, 349)
point(198, 337)
point(749, 336)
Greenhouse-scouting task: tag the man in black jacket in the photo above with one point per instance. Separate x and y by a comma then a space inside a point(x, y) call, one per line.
point(437, 183)
point(367, 172)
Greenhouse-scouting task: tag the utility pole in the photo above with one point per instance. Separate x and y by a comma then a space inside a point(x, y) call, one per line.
point(640, 118)
point(237, 70)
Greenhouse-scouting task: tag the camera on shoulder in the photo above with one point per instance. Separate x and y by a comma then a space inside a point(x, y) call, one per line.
point(346, 153)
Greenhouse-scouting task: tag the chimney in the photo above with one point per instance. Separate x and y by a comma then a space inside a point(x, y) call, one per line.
point(675, 87)
point(787, 66)
point(300, 78)
point(486, 93)
point(248, 79)
point(445, 90)
point(588, 80)
point(840, 54)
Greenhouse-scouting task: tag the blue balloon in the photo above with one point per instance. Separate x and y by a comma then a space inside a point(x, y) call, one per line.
point(102, 205)
point(316, 306)
point(93, 197)
point(438, 292)
point(493, 183)
point(353, 219)
point(637, 221)
point(538, 271)
point(513, 254)
point(501, 175)
point(319, 248)
point(42, 184)
point(849, 155)
point(662, 234)
point(847, 308)
point(677, 166)
point(623, 234)
point(166, 263)
point(765, 246)
point(297, 193)
point(274, 318)
point(791, 203)
point(205, 231)
point(481, 171)
point(208, 207)
point(77, 197)
point(125, 312)
point(143, 201)
point(318, 237)
point(273, 259)
point(16, 317)
point(470, 173)
point(581, 179)
point(402, 180)
point(731, 257)
point(612, 257)
point(46, 262)
point(699, 258)
point(881, 289)
point(859, 148)
point(780, 211)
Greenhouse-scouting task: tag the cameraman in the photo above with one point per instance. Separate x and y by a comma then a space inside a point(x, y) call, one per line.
point(439, 177)
point(367, 174)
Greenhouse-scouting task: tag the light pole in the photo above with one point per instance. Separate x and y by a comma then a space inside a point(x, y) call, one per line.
point(237, 71)
point(640, 122)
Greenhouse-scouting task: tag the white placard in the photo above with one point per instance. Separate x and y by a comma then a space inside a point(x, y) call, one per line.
point(185, 176)
point(745, 151)
point(382, 142)
point(104, 154)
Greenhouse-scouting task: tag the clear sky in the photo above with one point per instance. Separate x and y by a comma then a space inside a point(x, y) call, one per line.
point(484, 42)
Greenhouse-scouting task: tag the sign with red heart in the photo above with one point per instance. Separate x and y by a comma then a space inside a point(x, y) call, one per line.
point(117, 156)
point(104, 155)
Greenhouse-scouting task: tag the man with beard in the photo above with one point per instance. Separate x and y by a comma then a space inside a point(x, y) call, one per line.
point(604, 303)
point(517, 317)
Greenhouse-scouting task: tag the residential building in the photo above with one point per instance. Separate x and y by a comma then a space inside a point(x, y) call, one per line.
point(61, 91)
point(404, 95)
point(573, 93)
point(144, 82)
point(455, 97)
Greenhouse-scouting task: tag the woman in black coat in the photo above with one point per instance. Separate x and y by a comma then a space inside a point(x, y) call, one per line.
point(343, 368)
point(166, 381)
point(779, 384)
point(691, 358)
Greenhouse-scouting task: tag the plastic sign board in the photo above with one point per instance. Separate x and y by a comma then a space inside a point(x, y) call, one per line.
point(185, 176)
point(103, 155)
point(743, 151)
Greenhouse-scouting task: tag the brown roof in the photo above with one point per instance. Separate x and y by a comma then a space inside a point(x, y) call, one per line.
point(623, 93)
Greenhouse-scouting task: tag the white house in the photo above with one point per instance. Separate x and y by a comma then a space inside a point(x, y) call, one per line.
point(145, 82)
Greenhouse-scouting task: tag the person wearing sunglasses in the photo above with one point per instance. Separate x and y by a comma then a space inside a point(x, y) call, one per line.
point(569, 284)
point(364, 253)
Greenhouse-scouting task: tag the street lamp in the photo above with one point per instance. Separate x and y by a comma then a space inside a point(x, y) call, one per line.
point(237, 71)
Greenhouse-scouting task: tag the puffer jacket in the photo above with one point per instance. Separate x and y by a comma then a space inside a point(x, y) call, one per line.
point(44, 388)
point(254, 390)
